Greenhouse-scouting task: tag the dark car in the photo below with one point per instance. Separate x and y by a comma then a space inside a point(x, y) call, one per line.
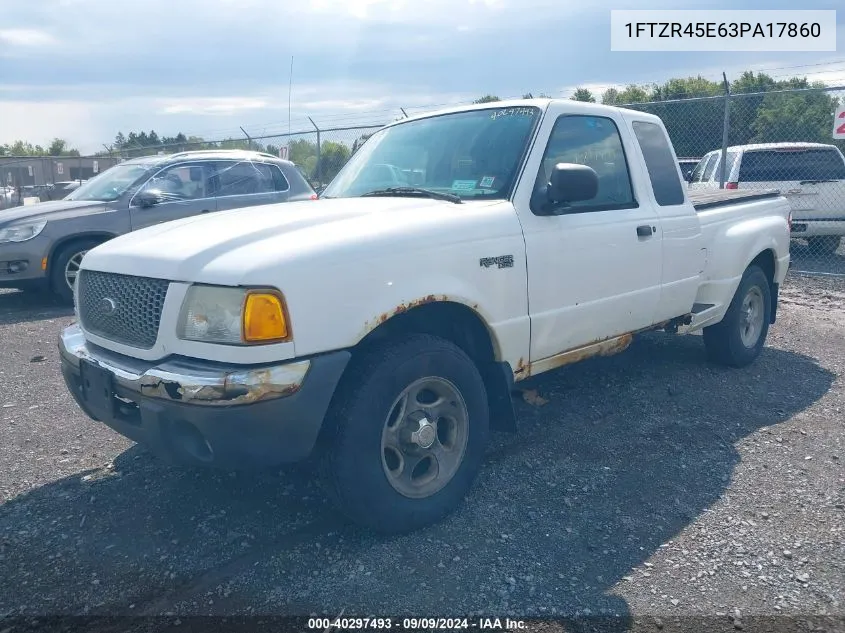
point(44, 243)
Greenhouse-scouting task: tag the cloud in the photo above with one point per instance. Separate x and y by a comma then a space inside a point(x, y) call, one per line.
point(212, 106)
point(207, 68)
point(25, 37)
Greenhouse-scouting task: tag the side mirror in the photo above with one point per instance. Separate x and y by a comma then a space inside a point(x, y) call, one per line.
point(148, 198)
point(570, 183)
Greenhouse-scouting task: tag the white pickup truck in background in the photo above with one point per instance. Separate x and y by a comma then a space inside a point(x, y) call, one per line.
point(381, 329)
point(810, 175)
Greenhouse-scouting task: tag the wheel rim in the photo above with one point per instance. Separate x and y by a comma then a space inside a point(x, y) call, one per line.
point(72, 268)
point(424, 437)
point(751, 321)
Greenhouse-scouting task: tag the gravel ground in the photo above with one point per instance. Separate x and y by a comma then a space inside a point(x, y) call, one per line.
point(648, 484)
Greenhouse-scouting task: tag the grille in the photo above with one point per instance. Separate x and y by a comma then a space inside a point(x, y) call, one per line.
point(122, 308)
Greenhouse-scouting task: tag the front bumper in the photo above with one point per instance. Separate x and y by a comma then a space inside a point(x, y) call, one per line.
point(20, 263)
point(189, 411)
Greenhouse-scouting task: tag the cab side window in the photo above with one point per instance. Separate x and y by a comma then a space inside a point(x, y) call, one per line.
point(182, 182)
point(593, 141)
point(244, 178)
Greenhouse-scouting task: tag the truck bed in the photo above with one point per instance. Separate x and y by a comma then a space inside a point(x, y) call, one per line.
point(709, 198)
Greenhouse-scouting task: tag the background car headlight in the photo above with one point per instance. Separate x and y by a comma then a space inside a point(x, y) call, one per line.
point(21, 232)
point(215, 314)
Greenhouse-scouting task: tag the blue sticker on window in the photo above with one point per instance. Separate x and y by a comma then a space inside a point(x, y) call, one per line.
point(463, 185)
point(487, 181)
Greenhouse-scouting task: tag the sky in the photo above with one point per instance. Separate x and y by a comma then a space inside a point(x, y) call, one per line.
point(82, 70)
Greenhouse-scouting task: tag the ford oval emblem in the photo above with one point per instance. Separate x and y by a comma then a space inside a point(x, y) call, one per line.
point(108, 306)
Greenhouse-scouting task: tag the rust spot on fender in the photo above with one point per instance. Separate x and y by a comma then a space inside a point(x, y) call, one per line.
point(405, 306)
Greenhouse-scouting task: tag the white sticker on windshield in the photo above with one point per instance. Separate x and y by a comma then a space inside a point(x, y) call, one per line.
point(463, 185)
point(487, 181)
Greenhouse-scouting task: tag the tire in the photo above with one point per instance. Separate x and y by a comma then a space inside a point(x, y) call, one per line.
point(60, 263)
point(368, 470)
point(733, 341)
point(823, 245)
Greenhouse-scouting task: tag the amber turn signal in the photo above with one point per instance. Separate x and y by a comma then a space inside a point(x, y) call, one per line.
point(264, 318)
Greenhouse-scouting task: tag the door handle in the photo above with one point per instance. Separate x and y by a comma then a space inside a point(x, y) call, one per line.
point(645, 230)
point(204, 211)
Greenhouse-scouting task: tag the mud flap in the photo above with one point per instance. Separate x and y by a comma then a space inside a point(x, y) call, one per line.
point(498, 379)
point(775, 289)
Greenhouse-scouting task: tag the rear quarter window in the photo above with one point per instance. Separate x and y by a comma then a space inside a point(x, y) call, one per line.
point(791, 165)
point(660, 163)
point(711, 166)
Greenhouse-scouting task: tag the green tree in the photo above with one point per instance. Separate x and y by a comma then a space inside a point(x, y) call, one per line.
point(787, 117)
point(301, 150)
point(610, 96)
point(694, 124)
point(333, 157)
point(58, 147)
point(582, 94)
point(487, 99)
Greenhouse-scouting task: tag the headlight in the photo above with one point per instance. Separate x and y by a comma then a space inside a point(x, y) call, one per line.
point(21, 232)
point(235, 316)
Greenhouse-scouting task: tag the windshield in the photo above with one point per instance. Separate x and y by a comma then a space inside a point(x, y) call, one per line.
point(111, 184)
point(470, 154)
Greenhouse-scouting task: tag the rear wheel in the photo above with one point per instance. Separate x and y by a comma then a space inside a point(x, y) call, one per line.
point(824, 244)
point(64, 267)
point(738, 338)
point(411, 425)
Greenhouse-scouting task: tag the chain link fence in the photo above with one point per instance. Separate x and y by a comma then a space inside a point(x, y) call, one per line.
point(320, 154)
point(774, 140)
point(781, 139)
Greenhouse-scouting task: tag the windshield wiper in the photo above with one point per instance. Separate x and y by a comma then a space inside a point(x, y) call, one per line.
point(414, 191)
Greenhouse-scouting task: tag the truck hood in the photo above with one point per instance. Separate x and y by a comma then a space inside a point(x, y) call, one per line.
point(240, 246)
point(54, 210)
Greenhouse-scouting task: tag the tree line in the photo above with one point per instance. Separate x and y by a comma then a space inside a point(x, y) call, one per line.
point(695, 126)
point(770, 113)
point(58, 147)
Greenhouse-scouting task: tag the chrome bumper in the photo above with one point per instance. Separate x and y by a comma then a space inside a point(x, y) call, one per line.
point(185, 380)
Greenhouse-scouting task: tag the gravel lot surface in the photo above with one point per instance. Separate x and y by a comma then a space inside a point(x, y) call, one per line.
point(647, 484)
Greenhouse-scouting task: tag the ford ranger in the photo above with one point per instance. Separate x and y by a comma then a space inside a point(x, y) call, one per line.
point(380, 330)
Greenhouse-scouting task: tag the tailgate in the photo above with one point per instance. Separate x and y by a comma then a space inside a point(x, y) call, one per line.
point(812, 178)
point(812, 199)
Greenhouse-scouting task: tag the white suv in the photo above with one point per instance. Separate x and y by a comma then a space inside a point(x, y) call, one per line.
point(810, 175)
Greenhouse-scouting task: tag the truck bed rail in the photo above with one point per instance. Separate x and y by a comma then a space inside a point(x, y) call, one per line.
point(710, 198)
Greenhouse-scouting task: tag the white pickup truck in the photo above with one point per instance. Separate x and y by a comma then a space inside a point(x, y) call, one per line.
point(382, 328)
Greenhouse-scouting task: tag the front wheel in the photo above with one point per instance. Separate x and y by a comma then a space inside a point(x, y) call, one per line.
point(738, 338)
point(65, 265)
point(410, 428)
